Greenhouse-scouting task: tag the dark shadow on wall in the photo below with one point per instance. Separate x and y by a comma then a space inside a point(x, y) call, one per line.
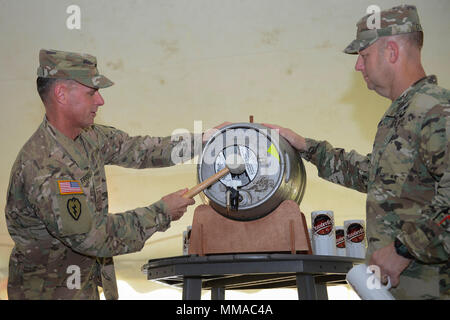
point(368, 107)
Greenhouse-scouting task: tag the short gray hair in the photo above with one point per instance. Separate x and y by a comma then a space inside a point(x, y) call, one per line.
point(44, 85)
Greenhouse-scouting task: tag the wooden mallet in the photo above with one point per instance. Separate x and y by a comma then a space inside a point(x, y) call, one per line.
point(233, 164)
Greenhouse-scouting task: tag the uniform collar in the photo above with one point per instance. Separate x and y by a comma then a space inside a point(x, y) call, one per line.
point(74, 148)
point(401, 103)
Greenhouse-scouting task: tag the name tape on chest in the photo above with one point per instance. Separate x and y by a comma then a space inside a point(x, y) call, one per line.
point(70, 187)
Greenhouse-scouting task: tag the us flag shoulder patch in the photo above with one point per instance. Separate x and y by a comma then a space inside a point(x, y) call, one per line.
point(70, 187)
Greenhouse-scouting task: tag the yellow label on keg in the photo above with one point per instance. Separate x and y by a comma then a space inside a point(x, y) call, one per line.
point(273, 151)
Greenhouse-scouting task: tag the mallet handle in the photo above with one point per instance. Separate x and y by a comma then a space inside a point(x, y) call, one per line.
point(206, 183)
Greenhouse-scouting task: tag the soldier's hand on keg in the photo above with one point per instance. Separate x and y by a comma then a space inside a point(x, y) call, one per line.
point(296, 140)
point(177, 204)
point(209, 133)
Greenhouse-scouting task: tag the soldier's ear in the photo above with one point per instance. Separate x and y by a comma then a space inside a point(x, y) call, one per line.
point(393, 51)
point(60, 92)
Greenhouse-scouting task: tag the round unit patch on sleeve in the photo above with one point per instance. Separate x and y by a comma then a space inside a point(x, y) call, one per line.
point(74, 208)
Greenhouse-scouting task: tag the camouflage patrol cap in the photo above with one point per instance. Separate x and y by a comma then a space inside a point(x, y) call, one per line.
point(80, 67)
point(397, 20)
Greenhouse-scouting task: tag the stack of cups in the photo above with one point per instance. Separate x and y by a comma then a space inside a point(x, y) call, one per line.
point(340, 242)
point(366, 283)
point(323, 233)
point(355, 238)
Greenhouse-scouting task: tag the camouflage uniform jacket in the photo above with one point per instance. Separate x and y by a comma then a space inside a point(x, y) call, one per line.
point(407, 181)
point(57, 211)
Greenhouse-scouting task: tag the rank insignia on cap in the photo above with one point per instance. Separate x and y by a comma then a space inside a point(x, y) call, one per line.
point(70, 187)
point(74, 208)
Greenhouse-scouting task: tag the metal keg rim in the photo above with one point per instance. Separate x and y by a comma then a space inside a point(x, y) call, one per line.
point(258, 127)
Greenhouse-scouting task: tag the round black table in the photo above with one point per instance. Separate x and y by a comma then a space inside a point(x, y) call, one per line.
point(309, 273)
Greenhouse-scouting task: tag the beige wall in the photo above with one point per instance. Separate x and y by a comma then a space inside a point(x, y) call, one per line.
point(174, 62)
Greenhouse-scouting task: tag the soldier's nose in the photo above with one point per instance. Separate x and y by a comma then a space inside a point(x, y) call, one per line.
point(99, 99)
point(359, 66)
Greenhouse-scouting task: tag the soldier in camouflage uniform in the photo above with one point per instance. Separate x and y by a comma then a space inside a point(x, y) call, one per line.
point(57, 201)
point(406, 176)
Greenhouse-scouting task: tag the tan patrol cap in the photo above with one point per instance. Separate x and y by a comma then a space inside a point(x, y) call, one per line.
point(397, 20)
point(80, 67)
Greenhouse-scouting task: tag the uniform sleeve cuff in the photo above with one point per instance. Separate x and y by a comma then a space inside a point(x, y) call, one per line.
point(405, 240)
point(311, 147)
point(162, 219)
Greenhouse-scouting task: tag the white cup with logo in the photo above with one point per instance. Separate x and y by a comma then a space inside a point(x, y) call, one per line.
point(324, 237)
point(365, 281)
point(340, 242)
point(355, 238)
